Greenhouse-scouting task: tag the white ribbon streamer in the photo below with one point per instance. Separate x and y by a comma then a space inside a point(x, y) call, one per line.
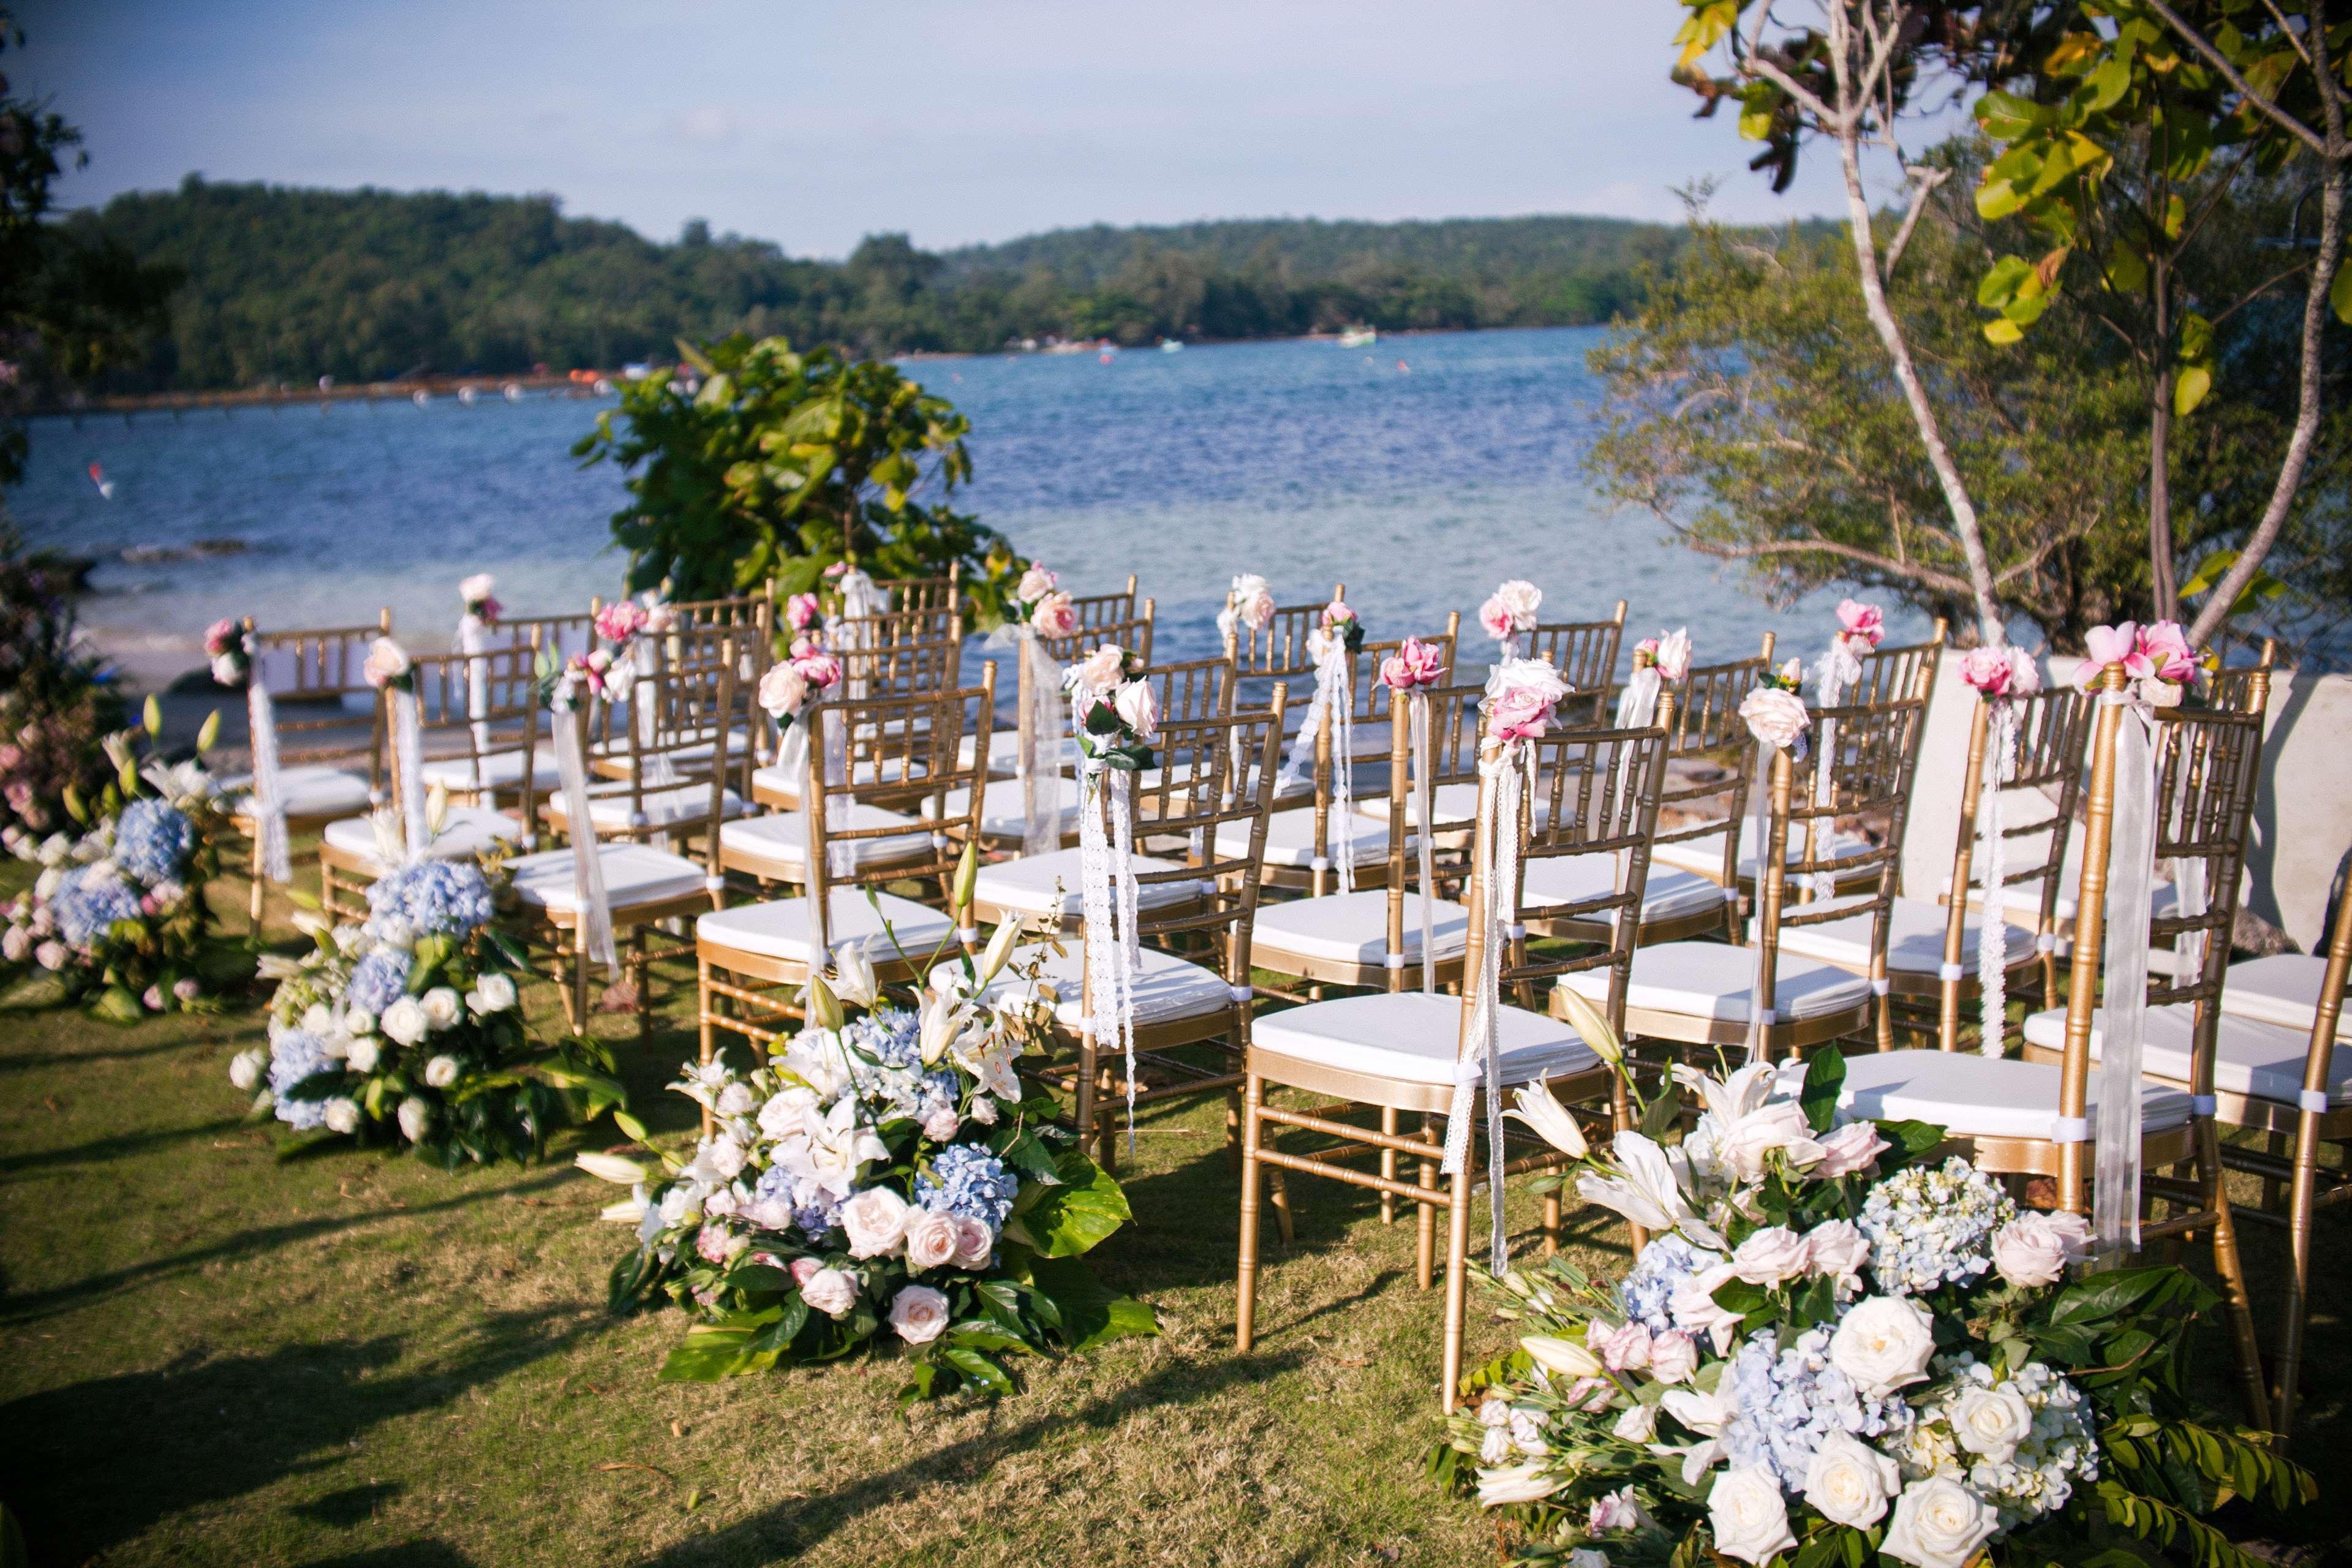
point(2131, 873)
point(1838, 670)
point(1334, 704)
point(594, 909)
point(1759, 796)
point(408, 770)
point(1417, 709)
point(1038, 759)
point(861, 600)
point(271, 850)
point(1637, 708)
point(1111, 901)
point(473, 643)
point(1510, 771)
point(1993, 909)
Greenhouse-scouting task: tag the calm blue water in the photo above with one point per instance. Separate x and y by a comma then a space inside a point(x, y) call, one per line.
point(1420, 487)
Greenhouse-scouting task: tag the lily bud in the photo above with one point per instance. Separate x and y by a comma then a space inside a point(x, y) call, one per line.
point(153, 716)
point(210, 733)
point(999, 949)
point(823, 1007)
point(967, 875)
point(1590, 1026)
point(1563, 1356)
point(437, 807)
point(74, 807)
point(610, 1168)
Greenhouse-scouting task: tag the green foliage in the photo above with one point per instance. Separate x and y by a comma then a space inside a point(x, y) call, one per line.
point(760, 464)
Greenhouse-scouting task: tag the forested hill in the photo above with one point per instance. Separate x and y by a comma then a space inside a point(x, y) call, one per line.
point(286, 285)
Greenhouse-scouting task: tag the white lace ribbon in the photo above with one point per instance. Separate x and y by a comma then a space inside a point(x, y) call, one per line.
point(1992, 913)
point(861, 599)
point(1417, 711)
point(1637, 708)
point(473, 642)
point(1038, 759)
point(1334, 704)
point(271, 850)
point(1510, 771)
point(593, 908)
point(2123, 1038)
point(408, 769)
point(1111, 902)
point(1838, 670)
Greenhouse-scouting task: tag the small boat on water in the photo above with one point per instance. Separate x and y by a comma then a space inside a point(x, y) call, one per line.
point(1358, 338)
point(1171, 345)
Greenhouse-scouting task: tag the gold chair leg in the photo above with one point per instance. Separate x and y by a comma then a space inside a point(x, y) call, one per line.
point(2301, 1197)
point(1245, 1281)
point(1388, 1165)
point(1457, 1287)
point(1425, 1215)
point(1551, 1224)
point(1286, 1224)
point(702, 1005)
point(2230, 1269)
point(641, 975)
point(256, 897)
point(577, 1011)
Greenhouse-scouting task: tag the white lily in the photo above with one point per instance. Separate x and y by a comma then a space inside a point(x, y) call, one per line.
point(946, 1019)
point(835, 1149)
point(1000, 950)
point(1591, 1026)
point(1535, 1106)
point(610, 1168)
point(1703, 1411)
point(1521, 1483)
point(1563, 1356)
point(628, 1211)
point(1730, 1099)
point(853, 977)
point(1645, 1192)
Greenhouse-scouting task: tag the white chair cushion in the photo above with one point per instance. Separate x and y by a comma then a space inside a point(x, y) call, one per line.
point(663, 808)
point(1005, 750)
point(1416, 1039)
point(1027, 885)
point(617, 754)
point(780, 927)
point(1004, 809)
point(1455, 807)
point(2282, 989)
point(1290, 839)
point(1915, 939)
point(1979, 1096)
point(635, 874)
point(1705, 854)
point(1352, 928)
point(2260, 1060)
point(776, 780)
point(308, 789)
point(778, 837)
point(1572, 879)
point(1167, 987)
point(499, 770)
point(464, 832)
point(1710, 980)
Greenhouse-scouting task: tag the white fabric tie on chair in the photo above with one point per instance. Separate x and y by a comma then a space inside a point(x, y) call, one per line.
point(1993, 916)
point(1334, 706)
point(861, 598)
point(408, 769)
point(1417, 714)
point(1497, 873)
point(2312, 1100)
point(2070, 1129)
point(1112, 904)
point(473, 642)
point(271, 851)
point(1760, 794)
point(2131, 875)
point(593, 907)
point(1838, 670)
point(1038, 724)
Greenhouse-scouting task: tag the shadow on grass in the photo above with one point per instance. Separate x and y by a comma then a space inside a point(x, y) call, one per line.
point(27, 1061)
point(115, 1147)
point(799, 1524)
point(407, 1554)
point(201, 1432)
point(243, 1244)
point(352, 1505)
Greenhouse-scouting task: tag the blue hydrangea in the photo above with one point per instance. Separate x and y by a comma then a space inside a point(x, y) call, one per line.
point(817, 1217)
point(890, 1036)
point(1933, 1226)
point(1791, 1400)
point(433, 895)
point(293, 1057)
point(152, 841)
point(378, 980)
point(1660, 1270)
point(85, 905)
point(966, 1179)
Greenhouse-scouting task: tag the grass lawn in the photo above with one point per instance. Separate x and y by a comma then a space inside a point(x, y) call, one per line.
point(207, 1356)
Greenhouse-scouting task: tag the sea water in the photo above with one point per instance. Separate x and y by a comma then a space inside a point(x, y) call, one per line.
point(1420, 471)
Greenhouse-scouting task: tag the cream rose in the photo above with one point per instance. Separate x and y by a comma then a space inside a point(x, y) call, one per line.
point(930, 1239)
point(1991, 1422)
point(920, 1314)
point(343, 1115)
point(1035, 583)
point(443, 1008)
point(1102, 670)
point(1775, 717)
point(1883, 1344)
point(1939, 1523)
point(493, 994)
point(975, 1242)
point(783, 690)
point(1674, 1356)
point(404, 1021)
point(441, 1072)
point(874, 1219)
point(1749, 1517)
point(2034, 1249)
point(387, 661)
point(1780, 1126)
point(1855, 1146)
point(361, 1056)
point(1139, 706)
point(1769, 1255)
point(1836, 1249)
point(830, 1291)
point(1639, 1424)
point(1849, 1481)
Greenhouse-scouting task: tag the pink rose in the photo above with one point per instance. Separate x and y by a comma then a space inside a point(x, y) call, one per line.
point(387, 661)
point(819, 668)
point(830, 1291)
point(939, 1123)
point(1775, 717)
point(801, 611)
point(713, 1243)
point(836, 568)
point(1338, 612)
point(1416, 663)
point(805, 1270)
point(783, 690)
point(222, 636)
point(2114, 644)
point(920, 1314)
point(1854, 1147)
point(1836, 1248)
point(1054, 616)
point(931, 1238)
point(1861, 622)
point(975, 1243)
point(2165, 647)
point(620, 621)
point(1618, 1510)
point(659, 617)
point(1629, 1346)
point(2000, 671)
point(1520, 696)
point(1674, 1356)
point(1252, 602)
point(1035, 583)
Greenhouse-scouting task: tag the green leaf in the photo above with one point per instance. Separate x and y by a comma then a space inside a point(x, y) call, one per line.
point(2006, 117)
point(2002, 281)
point(978, 1368)
point(717, 393)
point(1091, 1313)
point(1825, 1077)
point(2126, 270)
point(2002, 330)
point(2339, 294)
point(2109, 83)
point(2190, 390)
point(708, 1354)
point(1066, 1220)
point(2105, 1295)
point(1997, 199)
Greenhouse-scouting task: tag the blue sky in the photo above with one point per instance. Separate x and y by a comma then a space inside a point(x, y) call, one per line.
point(812, 125)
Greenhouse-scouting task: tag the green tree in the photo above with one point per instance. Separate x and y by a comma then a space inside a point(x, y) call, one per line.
point(756, 463)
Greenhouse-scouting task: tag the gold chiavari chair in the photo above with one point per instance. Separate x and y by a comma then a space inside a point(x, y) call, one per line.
point(1192, 898)
point(1401, 1052)
point(1932, 948)
point(752, 958)
point(896, 662)
point(1703, 812)
point(925, 593)
point(560, 635)
point(479, 713)
point(452, 723)
point(1097, 613)
point(1705, 994)
point(1368, 709)
point(1132, 632)
point(675, 799)
point(1889, 671)
point(327, 750)
point(661, 750)
point(1585, 654)
point(1279, 651)
point(2038, 1116)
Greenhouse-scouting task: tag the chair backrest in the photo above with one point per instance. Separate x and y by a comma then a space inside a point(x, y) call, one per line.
point(1584, 652)
point(561, 636)
point(1131, 632)
point(1191, 689)
point(474, 706)
point(323, 671)
point(1454, 723)
point(1889, 672)
point(680, 737)
point(925, 622)
point(1705, 729)
point(1099, 613)
point(925, 593)
point(2233, 685)
point(1279, 651)
point(2206, 761)
point(1369, 698)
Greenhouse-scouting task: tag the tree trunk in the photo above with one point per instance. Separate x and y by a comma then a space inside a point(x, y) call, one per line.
point(2163, 581)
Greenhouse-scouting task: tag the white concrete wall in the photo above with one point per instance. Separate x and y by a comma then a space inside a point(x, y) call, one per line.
point(2303, 814)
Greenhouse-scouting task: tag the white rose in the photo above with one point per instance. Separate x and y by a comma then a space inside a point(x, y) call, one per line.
point(1100, 670)
point(1939, 1523)
point(416, 1119)
point(2034, 1249)
point(1521, 598)
point(736, 1100)
point(874, 1220)
point(1639, 1424)
point(441, 1071)
point(931, 1238)
point(1769, 1255)
point(975, 1243)
point(920, 1314)
point(1780, 1125)
point(940, 1125)
point(363, 1054)
point(477, 587)
point(15, 943)
point(343, 1115)
point(443, 1008)
point(359, 1021)
point(495, 993)
point(1836, 1249)
point(1138, 705)
point(1775, 717)
point(1849, 1481)
point(317, 1019)
point(1749, 1517)
point(782, 1114)
point(246, 1068)
point(1674, 1356)
point(1673, 654)
point(51, 955)
point(830, 1291)
point(725, 1157)
point(404, 1021)
point(1883, 1344)
point(1991, 1422)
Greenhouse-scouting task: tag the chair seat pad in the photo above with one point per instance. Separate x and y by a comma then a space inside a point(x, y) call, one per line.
point(1167, 988)
point(617, 753)
point(663, 808)
point(1352, 928)
point(2282, 989)
point(1005, 750)
point(779, 837)
point(499, 770)
point(1710, 980)
point(635, 874)
point(1574, 879)
point(1027, 885)
point(1705, 854)
point(780, 927)
point(2260, 1060)
point(464, 832)
point(1455, 807)
point(1416, 1039)
point(775, 779)
point(1979, 1096)
point(1915, 939)
point(1004, 807)
point(1290, 839)
point(308, 789)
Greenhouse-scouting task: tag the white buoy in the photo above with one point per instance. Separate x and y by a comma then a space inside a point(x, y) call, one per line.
point(465, 394)
point(422, 398)
point(514, 392)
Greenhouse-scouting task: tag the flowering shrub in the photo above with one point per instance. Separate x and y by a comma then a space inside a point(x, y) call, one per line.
point(891, 1171)
point(408, 1029)
point(55, 704)
point(1835, 1351)
point(118, 914)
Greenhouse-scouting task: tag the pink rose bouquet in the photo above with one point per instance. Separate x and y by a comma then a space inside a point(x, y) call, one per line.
point(2000, 671)
point(1415, 663)
point(1670, 652)
point(1520, 696)
point(1511, 609)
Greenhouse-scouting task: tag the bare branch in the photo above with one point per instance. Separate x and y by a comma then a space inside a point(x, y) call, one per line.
point(1924, 180)
point(1926, 577)
point(2259, 289)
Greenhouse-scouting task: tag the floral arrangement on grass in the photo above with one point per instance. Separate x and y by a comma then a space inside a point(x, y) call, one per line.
point(118, 912)
point(886, 1175)
point(1837, 1349)
point(407, 1029)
